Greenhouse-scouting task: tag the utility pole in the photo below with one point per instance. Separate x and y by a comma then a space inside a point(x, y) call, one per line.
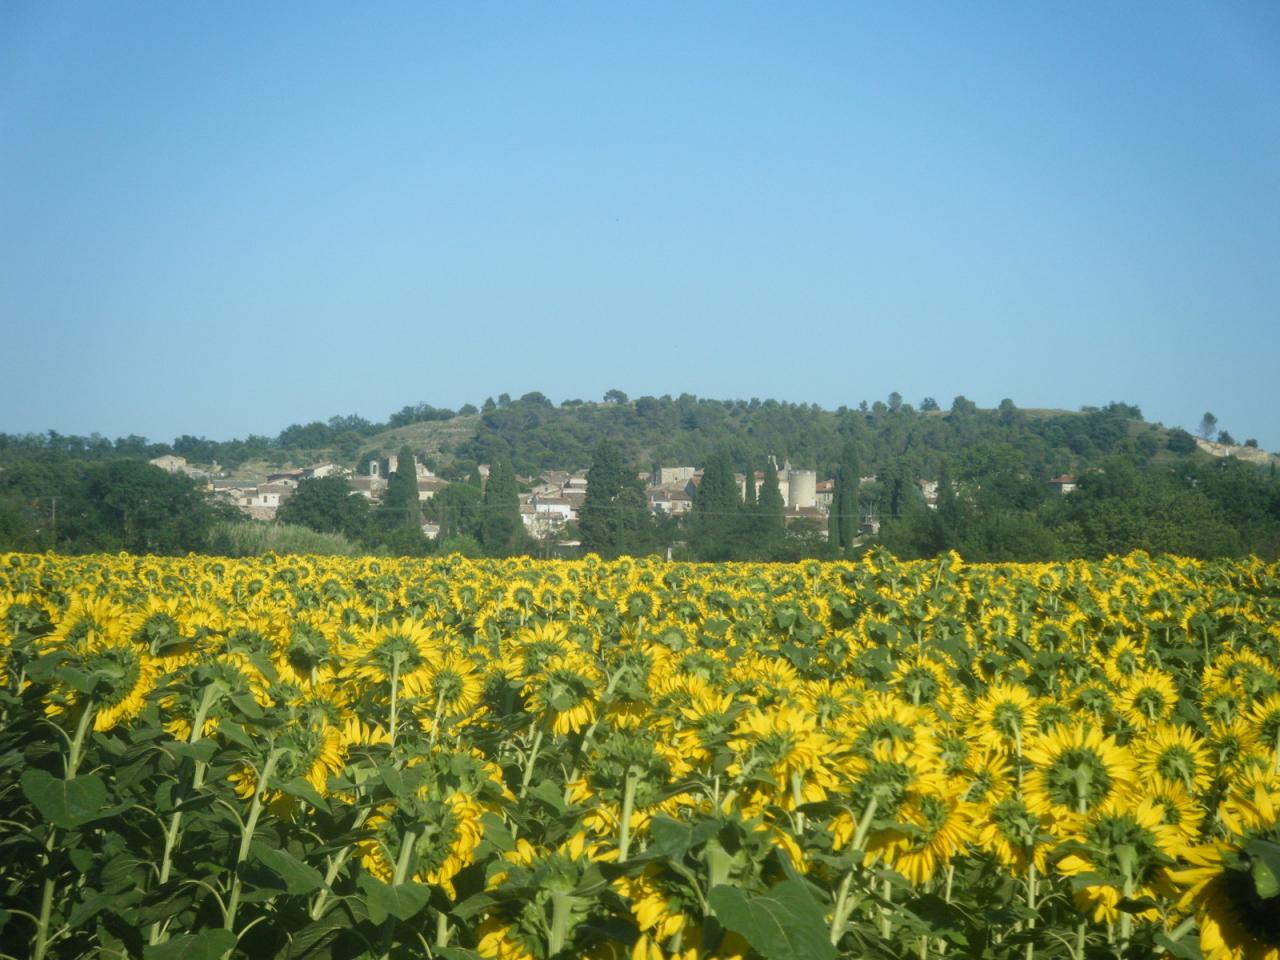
point(53, 521)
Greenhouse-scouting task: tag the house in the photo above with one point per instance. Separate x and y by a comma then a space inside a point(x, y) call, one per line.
point(659, 500)
point(929, 488)
point(1062, 485)
point(823, 493)
point(263, 501)
point(670, 476)
point(428, 487)
point(554, 507)
point(681, 502)
point(320, 470)
point(371, 488)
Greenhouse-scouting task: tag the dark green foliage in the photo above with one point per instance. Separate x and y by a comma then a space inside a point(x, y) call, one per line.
point(458, 509)
point(400, 505)
point(842, 524)
point(501, 531)
point(999, 459)
point(614, 518)
point(716, 510)
point(768, 517)
point(327, 506)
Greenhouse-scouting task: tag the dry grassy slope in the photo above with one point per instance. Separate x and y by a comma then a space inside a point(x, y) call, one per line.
point(1248, 454)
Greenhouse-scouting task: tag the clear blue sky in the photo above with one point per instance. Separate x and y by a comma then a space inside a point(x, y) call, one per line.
point(223, 218)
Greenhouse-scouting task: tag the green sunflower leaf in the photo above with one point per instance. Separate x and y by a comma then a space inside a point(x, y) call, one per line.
point(402, 901)
point(65, 803)
point(205, 945)
point(784, 924)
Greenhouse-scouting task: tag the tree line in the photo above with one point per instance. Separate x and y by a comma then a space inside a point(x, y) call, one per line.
point(1140, 486)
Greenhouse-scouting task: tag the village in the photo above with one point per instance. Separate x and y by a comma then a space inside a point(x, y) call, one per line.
point(550, 501)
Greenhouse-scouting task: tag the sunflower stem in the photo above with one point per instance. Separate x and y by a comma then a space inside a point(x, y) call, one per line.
point(1031, 906)
point(530, 760)
point(395, 690)
point(797, 798)
point(197, 781)
point(884, 910)
point(628, 806)
point(406, 856)
point(838, 916)
point(42, 941)
point(860, 835)
point(561, 911)
point(442, 929)
point(435, 721)
point(246, 835)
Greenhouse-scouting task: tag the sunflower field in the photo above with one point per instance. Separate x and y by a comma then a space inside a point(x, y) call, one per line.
point(317, 757)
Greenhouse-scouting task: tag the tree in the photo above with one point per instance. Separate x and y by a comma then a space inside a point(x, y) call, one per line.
point(614, 518)
point(1179, 441)
point(458, 509)
point(1208, 424)
point(501, 530)
point(131, 505)
point(1224, 436)
point(895, 402)
point(326, 505)
point(400, 504)
point(769, 522)
point(842, 522)
point(928, 405)
point(615, 396)
point(716, 506)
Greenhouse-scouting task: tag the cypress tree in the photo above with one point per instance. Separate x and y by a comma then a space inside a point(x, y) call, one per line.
point(716, 508)
point(614, 516)
point(401, 504)
point(770, 523)
point(501, 528)
point(842, 524)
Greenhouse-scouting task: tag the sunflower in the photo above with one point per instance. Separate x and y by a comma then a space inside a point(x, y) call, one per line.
point(1012, 833)
point(1074, 771)
point(1236, 922)
point(659, 910)
point(121, 674)
point(443, 835)
point(1002, 716)
point(1265, 719)
point(922, 683)
point(943, 825)
point(885, 775)
point(1175, 753)
point(399, 651)
point(1146, 698)
point(882, 717)
point(1123, 660)
point(534, 644)
point(785, 744)
point(160, 626)
point(1128, 849)
point(1252, 803)
point(1178, 808)
point(101, 615)
point(705, 724)
point(451, 686)
point(564, 691)
point(304, 647)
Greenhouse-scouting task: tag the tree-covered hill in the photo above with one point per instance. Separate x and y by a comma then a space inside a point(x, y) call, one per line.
point(1142, 485)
